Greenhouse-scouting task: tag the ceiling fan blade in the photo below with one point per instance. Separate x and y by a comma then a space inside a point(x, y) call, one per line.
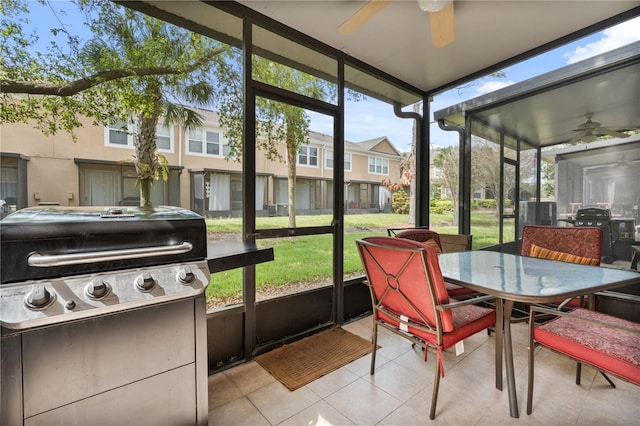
point(362, 16)
point(575, 139)
point(609, 132)
point(443, 27)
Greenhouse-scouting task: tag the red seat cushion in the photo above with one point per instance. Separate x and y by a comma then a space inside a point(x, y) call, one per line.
point(614, 350)
point(467, 321)
point(457, 290)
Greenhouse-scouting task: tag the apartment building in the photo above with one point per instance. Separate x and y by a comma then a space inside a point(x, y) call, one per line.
point(97, 171)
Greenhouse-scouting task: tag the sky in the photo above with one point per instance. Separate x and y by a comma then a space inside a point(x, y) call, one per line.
point(370, 119)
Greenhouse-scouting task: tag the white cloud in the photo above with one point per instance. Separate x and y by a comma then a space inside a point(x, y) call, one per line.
point(612, 38)
point(491, 86)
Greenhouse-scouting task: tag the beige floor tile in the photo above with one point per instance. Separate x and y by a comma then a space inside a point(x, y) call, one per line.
point(398, 380)
point(361, 367)
point(332, 382)
point(391, 344)
point(277, 403)
point(240, 412)
point(222, 390)
point(414, 360)
point(362, 327)
point(319, 414)
point(402, 416)
point(601, 398)
point(363, 403)
point(249, 377)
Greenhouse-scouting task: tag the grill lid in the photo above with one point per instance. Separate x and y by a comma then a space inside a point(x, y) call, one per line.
point(593, 213)
point(52, 241)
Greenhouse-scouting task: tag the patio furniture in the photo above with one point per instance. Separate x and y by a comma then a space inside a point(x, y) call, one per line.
point(513, 278)
point(426, 236)
point(568, 244)
point(603, 341)
point(452, 243)
point(433, 239)
point(409, 298)
point(635, 257)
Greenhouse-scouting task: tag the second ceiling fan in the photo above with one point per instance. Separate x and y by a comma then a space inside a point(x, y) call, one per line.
point(441, 19)
point(589, 131)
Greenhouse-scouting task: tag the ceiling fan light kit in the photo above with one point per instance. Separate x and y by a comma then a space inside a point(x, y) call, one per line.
point(441, 19)
point(433, 5)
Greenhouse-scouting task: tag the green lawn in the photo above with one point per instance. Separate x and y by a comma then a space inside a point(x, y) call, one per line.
point(309, 258)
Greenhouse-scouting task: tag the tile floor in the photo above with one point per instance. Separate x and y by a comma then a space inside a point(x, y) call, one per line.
point(400, 391)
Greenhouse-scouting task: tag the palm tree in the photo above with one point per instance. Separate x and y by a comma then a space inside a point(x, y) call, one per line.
point(135, 69)
point(182, 63)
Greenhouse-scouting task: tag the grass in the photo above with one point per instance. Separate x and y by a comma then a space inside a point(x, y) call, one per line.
point(310, 258)
point(364, 221)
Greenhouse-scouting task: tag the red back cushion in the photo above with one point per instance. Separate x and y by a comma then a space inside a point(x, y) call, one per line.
point(573, 240)
point(400, 278)
point(426, 236)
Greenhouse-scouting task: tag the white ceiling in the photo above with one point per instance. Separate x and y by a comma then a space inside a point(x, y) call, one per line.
point(398, 40)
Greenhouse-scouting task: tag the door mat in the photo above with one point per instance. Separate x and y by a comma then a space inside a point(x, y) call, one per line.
point(306, 360)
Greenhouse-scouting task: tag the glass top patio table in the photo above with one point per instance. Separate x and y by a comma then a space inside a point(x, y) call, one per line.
point(529, 279)
point(513, 278)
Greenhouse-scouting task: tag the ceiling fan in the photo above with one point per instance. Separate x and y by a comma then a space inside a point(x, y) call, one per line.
point(441, 19)
point(590, 130)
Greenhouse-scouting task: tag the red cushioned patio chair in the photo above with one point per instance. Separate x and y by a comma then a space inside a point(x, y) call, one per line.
point(409, 298)
point(432, 238)
point(603, 341)
point(569, 244)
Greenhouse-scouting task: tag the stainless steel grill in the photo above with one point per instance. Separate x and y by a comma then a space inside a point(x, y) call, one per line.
point(102, 313)
point(613, 230)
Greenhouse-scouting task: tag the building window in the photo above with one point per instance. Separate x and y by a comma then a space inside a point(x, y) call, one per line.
point(329, 160)
point(213, 143)
point(347, 161)
point(308, 156)
point(378, 166)
point(207, 142)
point(8, 186)
point(106, 185)
point(164, 141)
point(120, 134)
point(195, 141)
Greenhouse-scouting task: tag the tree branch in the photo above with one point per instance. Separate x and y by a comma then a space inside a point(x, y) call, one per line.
point(77, 86)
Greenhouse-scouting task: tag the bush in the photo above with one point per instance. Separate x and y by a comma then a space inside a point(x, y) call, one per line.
point(400, 202)
point(487, 204)
point(440, 206)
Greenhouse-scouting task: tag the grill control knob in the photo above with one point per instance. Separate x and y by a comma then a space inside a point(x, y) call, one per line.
point(145, 282)
point(98, 288)
point(39, 298)
point(186, 276)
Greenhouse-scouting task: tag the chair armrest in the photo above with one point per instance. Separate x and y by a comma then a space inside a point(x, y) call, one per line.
point(471, 301)
point(620, 296)
point(393, 231)
point(565, 302)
